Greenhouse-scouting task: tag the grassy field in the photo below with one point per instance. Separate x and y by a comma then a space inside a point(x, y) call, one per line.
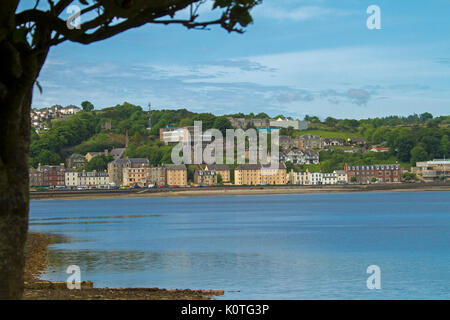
point(331, 134)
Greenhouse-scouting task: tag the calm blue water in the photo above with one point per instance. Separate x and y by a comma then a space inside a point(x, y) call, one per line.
point(312, 246)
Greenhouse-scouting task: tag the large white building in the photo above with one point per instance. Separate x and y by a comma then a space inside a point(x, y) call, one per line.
point(317, 178)
point(286, 123)
point(94, 179)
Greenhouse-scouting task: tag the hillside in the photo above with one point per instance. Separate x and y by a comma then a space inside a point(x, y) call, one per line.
point(409, 139)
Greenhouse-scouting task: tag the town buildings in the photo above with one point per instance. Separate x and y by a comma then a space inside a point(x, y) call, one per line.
point(221, 169)
point(156, 176)
point(90, 155)
point(87, 180)
point(135, 176)
point(329, 178)
point(299, 178)
point(176, 175)
point(286, 142)
point(35, 177)
point(205, 177)
point(300, 157)
point(383, 173)
point(259, 174)
point(308, 141)
point(286, 123)
point(49, 176)
point(75, 161)
point(115, 168)
point(332, 142)
point(341, 176)
point(429, 171)
point(265, 123)
point(117, 153)
point(39, 117)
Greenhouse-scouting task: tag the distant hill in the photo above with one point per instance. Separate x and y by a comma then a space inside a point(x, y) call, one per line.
point(410, 139)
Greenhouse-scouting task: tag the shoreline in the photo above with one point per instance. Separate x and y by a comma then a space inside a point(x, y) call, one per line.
point(236, 191)
point(36, 260)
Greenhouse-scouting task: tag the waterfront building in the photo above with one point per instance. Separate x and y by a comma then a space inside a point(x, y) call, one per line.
point(71, 178)
point(156, 176)
point(299, 178)
point(35, 177)
point(384, 173)
point(176, 175)
point(434, 170)
point(329, 178)
point(86, 179)
point(341, 176)
point(258, 174)
point(115, 168)
point(221, 169)
point(286, 142)
point(135, 176)
point(316, 178)
point(205, 177)
point(52, 176)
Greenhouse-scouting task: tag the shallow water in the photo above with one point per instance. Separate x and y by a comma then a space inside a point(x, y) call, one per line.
point(310, 246)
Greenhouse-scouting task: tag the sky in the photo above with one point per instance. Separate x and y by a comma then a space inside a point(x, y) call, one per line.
point(299, 57)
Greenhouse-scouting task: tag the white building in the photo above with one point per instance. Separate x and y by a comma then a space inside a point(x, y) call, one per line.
point(341, 176)
point(299, 178)
point(286, 123)
point(329, 178)
point(316, 178)
point(94, 179)
point(71, 178)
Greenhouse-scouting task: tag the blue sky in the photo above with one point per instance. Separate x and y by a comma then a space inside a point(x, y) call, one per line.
point(313, 57)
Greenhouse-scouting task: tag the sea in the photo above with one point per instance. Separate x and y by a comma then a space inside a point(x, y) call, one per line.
point(304, 246)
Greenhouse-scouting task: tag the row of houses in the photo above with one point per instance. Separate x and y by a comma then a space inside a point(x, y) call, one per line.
point(138, 172)
point(59, 176)
point(77, 160)
point(40, 116)
point(317, 178)
point(263, 123)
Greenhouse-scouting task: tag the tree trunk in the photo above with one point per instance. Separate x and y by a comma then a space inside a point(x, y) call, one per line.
point(19, 71)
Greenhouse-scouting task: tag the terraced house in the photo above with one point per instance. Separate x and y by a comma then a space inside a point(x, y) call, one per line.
point(258, 174)
point(205, 177)
point(176, 175)
point(115, 168)
point(384, 173)
point(221, 169)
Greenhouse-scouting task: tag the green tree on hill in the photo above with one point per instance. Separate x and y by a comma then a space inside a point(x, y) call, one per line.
point(87, 106)
point(445, 146)
point(418, 153)
point(222, 124)
point(99, 163)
